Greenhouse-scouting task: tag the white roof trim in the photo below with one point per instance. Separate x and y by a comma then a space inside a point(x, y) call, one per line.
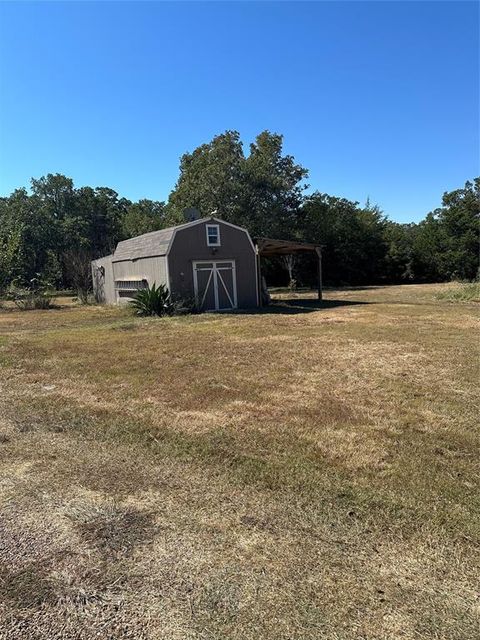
point(235, 226)
point(181, 227)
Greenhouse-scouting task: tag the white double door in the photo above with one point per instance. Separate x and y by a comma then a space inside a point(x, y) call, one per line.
point(215, 285)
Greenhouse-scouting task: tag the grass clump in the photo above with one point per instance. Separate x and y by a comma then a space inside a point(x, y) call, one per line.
point(461, 292)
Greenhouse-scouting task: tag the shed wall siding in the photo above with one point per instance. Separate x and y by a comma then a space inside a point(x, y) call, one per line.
point(152, 269)
point(190, 245)
point(103, 286)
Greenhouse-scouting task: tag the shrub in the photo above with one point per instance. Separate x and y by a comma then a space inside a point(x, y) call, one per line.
point(292, 285)
point(153, 301)
point(78, 267)
point(36, 296)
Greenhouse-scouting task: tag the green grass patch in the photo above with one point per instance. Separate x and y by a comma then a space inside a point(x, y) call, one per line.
point(461, 292)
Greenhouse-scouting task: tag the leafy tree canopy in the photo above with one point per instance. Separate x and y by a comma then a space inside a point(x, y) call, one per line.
point(262, 192)
point(55, 229)
point(446, 244)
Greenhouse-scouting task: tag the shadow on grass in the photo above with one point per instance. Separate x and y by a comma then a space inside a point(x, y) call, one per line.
point(339, 288)
point(299, 305)
point(13, 308)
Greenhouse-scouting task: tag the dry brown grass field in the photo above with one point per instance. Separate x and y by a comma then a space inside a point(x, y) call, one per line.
point(300, 474)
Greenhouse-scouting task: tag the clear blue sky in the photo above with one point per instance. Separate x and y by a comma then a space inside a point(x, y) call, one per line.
point(375, 99)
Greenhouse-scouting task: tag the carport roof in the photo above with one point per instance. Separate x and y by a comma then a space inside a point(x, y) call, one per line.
point(272, 247)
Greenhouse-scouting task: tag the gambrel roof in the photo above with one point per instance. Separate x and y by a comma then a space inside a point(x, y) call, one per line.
point(158, 243)
point(155, 243)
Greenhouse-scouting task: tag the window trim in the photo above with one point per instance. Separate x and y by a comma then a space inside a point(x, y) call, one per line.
point(213, 226)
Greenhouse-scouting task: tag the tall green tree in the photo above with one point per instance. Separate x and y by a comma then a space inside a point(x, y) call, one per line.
point(399, 240)
point(352, 237)
point(10, 255)
point(28, 233)
point(447, 243)
point(142, 217)
point(90, 229)
point(94, 220)
point(56, 193)
point(273, 186)
point(211, 180)
point(262, 192)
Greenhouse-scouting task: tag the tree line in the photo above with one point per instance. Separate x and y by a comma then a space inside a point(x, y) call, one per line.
point(52, 231)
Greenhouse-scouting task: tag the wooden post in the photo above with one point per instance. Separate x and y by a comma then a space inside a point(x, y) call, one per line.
point(318, 251)
point(259, 278)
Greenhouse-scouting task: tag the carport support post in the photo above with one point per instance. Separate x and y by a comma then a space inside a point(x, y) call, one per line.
point(318, 251)
point(259, 278)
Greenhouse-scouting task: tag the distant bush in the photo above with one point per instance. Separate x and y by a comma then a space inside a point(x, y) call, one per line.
point(38, 295)
point(153, 301)
point(463, 292)
point(292, 285)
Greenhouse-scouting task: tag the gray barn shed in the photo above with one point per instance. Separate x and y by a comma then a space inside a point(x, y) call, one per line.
point(209, 259)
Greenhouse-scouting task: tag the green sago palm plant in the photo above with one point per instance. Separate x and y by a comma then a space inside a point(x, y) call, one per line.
point(153, 301)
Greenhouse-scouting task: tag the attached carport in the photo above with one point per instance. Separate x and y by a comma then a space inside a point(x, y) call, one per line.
point(268, 247)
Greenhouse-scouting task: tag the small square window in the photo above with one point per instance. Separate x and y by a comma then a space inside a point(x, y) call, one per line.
point(213, 235)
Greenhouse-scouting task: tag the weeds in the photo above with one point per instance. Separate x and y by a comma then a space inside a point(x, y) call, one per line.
point(461, 292)
point(38, 295)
